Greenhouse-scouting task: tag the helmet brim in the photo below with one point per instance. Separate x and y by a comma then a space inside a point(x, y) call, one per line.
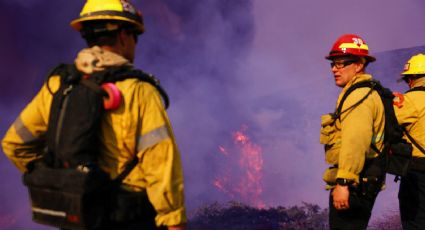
point(77, 23)
point(337, 55)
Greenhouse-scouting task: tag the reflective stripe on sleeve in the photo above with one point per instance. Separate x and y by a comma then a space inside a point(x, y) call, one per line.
point(152, 138)
point(377, 138)
point(49, 212)
point(23, 131)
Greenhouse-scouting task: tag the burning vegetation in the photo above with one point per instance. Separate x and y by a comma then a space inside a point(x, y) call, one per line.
point(242, 180)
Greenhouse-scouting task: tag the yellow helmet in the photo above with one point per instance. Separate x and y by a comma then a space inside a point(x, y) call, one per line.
point(415, 65)
point(119, 10)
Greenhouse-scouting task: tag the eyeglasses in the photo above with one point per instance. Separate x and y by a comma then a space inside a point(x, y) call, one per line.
point(342, 64)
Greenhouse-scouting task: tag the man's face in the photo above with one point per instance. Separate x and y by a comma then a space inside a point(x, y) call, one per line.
point(344, 69)
point(130, 41)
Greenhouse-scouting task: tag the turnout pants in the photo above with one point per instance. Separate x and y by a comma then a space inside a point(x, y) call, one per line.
point(357, 216)
point(412, 200)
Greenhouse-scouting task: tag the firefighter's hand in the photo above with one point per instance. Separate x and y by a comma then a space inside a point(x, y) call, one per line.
point(177, 227)
point(340, 196)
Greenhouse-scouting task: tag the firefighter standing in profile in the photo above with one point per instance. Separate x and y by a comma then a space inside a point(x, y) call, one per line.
point(348, 136)
point(410, 112)
point(140, 126)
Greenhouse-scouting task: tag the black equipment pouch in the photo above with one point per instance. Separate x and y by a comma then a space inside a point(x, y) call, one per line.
point(68, 198)
point(83, 198)
point(372, 177)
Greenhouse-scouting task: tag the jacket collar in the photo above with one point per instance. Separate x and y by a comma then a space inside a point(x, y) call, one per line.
point(96, 59)
point(355, 79)
point(419, 82)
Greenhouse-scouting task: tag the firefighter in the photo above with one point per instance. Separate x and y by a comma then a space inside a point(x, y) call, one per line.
point(348, 136)
point(141, 127)
point(410, 112)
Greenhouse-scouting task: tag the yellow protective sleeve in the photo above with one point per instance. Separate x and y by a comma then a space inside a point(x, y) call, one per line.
point(25, 139)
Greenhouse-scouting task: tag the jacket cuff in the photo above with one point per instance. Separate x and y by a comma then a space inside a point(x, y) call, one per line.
point(173, 218)
point(347, 175)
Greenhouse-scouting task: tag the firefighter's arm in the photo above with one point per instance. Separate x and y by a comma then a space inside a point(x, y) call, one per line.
point(25, 139)
point(164, 177)
point(356, 135)
point(161, 163)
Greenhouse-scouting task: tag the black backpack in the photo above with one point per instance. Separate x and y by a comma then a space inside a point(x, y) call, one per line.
point(67, 188)
point(395, 158)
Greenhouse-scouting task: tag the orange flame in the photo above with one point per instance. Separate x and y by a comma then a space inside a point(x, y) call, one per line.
point(247, 183)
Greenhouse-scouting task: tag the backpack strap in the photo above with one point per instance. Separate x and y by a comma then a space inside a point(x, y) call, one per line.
point(414, 142)
point(120, 73)
point(418, 88)
point(128, 168)
point(338, 112)
point(149, 78)
point(392, 131)
point(70, 74)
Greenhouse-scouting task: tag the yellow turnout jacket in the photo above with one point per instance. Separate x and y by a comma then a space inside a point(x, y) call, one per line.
point(411, 112)
point(348, 139)
point(139, 126)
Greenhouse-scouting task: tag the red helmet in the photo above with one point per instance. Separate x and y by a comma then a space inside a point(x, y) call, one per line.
point(350, 44)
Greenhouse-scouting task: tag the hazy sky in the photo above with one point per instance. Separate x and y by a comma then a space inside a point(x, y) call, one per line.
point(226, 65)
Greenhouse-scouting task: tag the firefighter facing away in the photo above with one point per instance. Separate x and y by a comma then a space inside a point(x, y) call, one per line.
point(138, 127)
point(410, 112)
point(349, 134)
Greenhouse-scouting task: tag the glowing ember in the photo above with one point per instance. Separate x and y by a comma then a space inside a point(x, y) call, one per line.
point(239, 137)
point(222, 150)
point(244, 180)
